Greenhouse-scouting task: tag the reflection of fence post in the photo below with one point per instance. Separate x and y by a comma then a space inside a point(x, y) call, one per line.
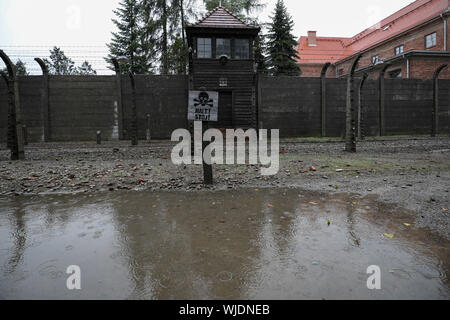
point(350, 123)
point(15, 132)
point(382, 101)
point(361, 123)
point(45, 100)
point(119, 96)
point(435, 112)
point(134, 126)
point(323, 98)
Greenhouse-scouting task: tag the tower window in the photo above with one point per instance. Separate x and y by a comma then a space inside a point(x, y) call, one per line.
point(204, 48)
point(223, 47)
point(242, 49)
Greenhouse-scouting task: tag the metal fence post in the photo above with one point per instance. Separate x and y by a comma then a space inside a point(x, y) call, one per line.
point(207, 168)
point(15, 131)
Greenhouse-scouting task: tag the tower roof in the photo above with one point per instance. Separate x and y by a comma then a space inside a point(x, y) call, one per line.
point(221, 17)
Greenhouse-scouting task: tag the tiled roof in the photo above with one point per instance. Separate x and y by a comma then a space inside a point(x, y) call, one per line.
point(221, 17)
point(412, 15)
point(328, 49)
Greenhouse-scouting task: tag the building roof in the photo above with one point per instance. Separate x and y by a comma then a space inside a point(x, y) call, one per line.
point(335, 49)
point(221, 17)
point(328, 49)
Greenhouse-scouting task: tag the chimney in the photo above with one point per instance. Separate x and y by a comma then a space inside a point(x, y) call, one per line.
point(312, 38)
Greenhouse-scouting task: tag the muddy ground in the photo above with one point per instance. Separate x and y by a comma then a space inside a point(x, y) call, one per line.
point(413, 173)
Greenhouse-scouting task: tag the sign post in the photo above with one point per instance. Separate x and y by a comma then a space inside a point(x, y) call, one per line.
point(204, 107)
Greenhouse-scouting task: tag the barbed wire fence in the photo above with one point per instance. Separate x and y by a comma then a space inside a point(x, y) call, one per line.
point(94, 54)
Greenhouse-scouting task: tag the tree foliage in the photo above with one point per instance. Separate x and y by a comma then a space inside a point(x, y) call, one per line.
point(129, 40)
point(282, 44)
point(86, 69)
point(21, 69)
point(60, 64)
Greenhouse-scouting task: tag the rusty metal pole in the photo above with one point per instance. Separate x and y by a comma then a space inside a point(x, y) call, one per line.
point(207, 168)
point(119, 101)
point(134, 125)
point(382, 101)
point(323, 98)
point(435, 112)
point(350, 123)
point(45, 100)
point(361, 123)
point(15, 132)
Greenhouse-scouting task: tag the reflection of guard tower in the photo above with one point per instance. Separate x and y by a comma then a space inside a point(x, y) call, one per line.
point(221, 59)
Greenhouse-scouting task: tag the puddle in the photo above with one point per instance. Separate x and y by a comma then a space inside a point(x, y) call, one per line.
point(248, 244)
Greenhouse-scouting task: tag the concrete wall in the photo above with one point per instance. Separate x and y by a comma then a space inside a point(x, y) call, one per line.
point(81, 105)
point(293, 106)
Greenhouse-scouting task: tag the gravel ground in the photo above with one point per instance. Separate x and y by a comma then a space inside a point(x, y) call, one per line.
point(412, 173)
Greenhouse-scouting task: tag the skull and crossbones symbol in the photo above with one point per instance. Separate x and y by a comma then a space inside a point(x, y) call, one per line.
point(203, 100)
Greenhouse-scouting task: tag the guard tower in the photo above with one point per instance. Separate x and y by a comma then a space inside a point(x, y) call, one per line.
point(222, 59)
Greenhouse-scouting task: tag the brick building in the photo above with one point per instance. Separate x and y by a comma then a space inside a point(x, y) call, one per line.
point(414, 41)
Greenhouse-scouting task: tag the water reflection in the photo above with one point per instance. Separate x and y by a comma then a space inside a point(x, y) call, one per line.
point(251, 244)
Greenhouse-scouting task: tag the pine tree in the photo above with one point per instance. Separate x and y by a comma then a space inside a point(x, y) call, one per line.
point(128, 40)
point(166, 23)
point(21, 69)
point(86, 69)
point(260, 57)
point(282, 43)
point(59, 63)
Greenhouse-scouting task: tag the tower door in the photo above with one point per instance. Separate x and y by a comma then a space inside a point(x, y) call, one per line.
point(225, 110)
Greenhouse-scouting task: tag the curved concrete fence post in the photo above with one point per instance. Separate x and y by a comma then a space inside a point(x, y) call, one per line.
point(361, 120)
point(134, 125)
point(5, 77)
point(435, 112)
point(382, 101)
point(120, 116)
point(15, 131)
point(350, 117)
point(323, 97)
point(45, 100)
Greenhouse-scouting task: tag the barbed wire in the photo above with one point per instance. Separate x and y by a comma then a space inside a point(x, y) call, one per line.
point(93, 54)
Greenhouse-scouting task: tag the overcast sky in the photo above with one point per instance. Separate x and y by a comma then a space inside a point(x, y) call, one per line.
point(37, 25)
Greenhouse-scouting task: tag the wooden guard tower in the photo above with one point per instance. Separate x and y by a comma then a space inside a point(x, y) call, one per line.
point(222, 59)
